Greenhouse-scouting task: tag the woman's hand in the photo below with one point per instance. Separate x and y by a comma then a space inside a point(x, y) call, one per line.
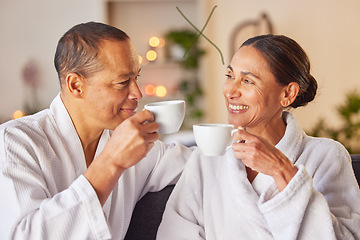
point(260, 156)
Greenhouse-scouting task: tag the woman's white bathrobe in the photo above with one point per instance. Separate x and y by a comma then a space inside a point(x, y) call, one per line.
point(214, 199)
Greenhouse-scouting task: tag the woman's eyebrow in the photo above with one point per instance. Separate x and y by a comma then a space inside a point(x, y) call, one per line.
point(246, 73)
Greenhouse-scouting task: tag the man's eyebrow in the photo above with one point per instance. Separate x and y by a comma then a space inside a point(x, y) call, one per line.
point(130, 74)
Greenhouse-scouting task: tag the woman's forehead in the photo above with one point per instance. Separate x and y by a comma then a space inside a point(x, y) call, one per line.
point(248, 59)
point(249, 62)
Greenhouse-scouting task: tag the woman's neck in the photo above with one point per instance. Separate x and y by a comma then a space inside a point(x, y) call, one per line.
point(272, 132)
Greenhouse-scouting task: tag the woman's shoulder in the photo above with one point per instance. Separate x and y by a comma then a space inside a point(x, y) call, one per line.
point(310, 147)
point(325, 146)
point(323, 153)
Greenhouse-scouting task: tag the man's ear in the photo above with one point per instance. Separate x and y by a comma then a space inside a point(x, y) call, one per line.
point(75, 84)
point(290, 93)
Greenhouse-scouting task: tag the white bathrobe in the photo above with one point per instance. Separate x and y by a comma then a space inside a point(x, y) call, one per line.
point(214, 199)
point(44, 194)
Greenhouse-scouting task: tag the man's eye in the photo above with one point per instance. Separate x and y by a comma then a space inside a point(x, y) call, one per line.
point(124, 82)
point(228, 76)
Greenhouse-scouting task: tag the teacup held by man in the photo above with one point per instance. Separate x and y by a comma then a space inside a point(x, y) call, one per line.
point(168, 114)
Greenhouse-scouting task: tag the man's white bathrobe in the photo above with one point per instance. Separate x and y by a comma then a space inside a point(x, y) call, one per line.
point(214, 199)
point(44, 194)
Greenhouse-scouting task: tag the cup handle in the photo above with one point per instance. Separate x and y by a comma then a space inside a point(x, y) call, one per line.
point(234, 131)
point(232, 134)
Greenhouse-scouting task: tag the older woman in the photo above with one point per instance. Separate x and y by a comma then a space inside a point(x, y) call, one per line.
point(276, 182)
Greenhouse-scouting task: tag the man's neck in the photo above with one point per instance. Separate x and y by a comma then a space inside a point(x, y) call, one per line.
point(89, 136)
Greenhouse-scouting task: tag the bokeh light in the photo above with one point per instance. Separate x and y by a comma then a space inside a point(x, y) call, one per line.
point(18, 114)
point(161, 43)
point(150, 89)
point(160, 91)
point(154, 41)
point(151, 55)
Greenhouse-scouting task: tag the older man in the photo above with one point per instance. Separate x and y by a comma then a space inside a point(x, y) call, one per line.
point(77, 169)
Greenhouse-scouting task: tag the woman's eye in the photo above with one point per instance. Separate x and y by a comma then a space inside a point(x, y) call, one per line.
point(248, 81)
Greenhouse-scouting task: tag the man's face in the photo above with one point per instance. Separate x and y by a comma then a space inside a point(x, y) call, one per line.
point(111, 95)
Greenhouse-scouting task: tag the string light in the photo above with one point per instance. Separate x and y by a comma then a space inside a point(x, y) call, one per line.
point(18, 114)
point(154, 41)
point(160, 91)
point(161, 43)
point(150, 89)
point(151, 55)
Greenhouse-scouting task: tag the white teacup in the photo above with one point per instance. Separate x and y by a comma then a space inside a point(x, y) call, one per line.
point(168, 114)
point(213, 139)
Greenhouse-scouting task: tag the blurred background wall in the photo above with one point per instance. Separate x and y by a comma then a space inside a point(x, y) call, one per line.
point(29, 31)
point(328, 30)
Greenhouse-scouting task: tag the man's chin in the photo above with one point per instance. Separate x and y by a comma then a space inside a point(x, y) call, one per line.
point(122, 118)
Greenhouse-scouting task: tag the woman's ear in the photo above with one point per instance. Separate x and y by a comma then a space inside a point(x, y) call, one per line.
point(290, 93)
point(75, 84)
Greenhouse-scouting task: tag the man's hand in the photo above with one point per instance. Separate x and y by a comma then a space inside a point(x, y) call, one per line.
point(129, 143)
point(132, 140)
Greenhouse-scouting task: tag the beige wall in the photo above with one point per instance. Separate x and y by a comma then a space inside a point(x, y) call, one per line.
point(30, 30)
point(328, 30)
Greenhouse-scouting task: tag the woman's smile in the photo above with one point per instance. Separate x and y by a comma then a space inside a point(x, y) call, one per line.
point(237, 108)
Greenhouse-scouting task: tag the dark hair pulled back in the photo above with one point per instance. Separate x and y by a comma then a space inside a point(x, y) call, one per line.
point(288, 62)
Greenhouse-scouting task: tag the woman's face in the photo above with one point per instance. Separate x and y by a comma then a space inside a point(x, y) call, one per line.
point(252, 95)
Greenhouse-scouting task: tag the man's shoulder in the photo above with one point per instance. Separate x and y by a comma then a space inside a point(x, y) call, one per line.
point(28, 124)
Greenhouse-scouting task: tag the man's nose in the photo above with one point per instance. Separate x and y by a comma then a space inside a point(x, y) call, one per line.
point(135, 92)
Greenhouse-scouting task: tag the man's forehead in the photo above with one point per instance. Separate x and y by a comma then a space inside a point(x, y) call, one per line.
point(116, 49)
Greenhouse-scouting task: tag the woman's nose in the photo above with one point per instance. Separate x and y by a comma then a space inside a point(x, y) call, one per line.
point(233, 91)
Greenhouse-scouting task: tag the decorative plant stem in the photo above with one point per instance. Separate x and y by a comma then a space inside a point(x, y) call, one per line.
point(201, 32)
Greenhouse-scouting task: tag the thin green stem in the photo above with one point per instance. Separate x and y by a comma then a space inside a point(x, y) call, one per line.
point(201, 32)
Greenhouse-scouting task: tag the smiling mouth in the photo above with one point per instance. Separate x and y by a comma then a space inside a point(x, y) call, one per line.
point(238, 107)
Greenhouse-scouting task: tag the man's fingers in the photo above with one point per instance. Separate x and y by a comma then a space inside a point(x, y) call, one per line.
point(150, 127)
point(144, 116)
point(152, 137)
